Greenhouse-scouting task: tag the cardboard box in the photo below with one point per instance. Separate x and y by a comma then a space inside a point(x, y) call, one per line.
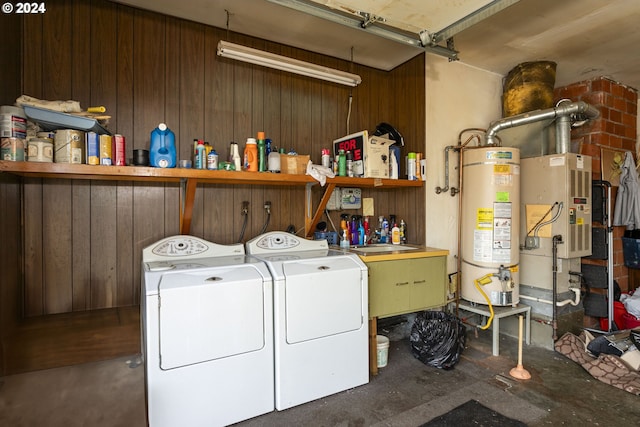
point(294, 164)
point(370, 154)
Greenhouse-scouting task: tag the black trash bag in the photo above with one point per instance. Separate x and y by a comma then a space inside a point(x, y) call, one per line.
point(437, 339)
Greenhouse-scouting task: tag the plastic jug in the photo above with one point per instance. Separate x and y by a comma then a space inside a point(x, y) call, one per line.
point(162, 152)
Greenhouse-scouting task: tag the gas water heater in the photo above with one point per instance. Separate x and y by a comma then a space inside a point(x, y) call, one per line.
point(490, 225)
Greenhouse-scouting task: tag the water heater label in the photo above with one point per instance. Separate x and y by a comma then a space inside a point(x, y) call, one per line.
point(499, 155)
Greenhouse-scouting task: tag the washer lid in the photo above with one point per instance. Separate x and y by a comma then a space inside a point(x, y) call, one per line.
point(211, 314)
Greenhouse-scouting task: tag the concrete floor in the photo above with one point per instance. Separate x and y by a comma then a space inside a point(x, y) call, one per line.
point(405, 393)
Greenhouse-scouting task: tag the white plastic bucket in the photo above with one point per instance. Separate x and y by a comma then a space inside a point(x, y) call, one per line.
point(383, 350)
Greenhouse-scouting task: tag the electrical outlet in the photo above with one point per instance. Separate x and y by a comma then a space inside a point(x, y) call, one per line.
point(245, 208)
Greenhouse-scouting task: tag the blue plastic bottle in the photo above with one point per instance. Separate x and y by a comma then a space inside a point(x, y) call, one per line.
point(162, 150)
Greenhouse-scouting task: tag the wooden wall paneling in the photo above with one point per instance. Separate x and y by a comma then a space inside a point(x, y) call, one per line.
point(104, 58)
point(148, 75)
point(242, 128)
point(33, 304)
point(148, 110)
point(188, 62)
point(56, 246)
point(256, 193)
point(81, 244)
point(125, 287)
point(10, 263)
point(32, 47)
point(103, 244)
point(81, 74)
point(219, 117)
point(56, 53)
point(11, 50)
point(175, 36)
point(124, 79)
point(271, 112)
point(148, 220)
point(11, 258)
point(127, 291)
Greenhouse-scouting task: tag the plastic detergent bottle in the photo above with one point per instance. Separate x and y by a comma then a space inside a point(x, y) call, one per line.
point(251, 155)
point(395, 234)
point(273, 161)
point(262, 152)
point(162, 150)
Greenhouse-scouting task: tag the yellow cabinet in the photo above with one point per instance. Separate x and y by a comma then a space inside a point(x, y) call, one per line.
point(406, 285)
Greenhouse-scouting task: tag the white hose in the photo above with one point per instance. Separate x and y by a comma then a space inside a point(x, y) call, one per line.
point(576, 291)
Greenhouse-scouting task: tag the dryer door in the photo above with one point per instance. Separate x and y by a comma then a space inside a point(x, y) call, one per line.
point(211, 314)
point(323, 297)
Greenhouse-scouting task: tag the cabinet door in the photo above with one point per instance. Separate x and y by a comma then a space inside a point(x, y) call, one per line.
point(405, 286)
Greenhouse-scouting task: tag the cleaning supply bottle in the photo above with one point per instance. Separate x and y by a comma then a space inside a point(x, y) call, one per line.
point(200, 155)
point(394, 162)
point(162, 149)
point(361, 233)
point(273, 160)
point(353, 229)
point(344, 243)
point(342, 163)
point(384, 232)
point(262, 153)
point(403, 231)
point(367, 230)
point(251, 155)
point(344, 226)
point(395, 234)
point(234, 154)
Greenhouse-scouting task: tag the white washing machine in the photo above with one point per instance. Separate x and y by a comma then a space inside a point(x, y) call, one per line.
point(207, 333)
point(320, 317)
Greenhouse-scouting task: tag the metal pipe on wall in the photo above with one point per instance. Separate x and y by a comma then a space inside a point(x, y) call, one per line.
point(562, 110)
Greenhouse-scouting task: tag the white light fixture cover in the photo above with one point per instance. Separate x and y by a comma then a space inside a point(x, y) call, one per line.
point(271, 60)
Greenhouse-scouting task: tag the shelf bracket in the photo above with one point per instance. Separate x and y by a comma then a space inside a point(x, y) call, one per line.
point(187, 195)
point(310, 221)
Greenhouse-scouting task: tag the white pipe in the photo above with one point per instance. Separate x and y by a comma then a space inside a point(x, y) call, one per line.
point(559, 303)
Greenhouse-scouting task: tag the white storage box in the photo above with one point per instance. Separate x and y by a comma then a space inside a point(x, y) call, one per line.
point(370, 154)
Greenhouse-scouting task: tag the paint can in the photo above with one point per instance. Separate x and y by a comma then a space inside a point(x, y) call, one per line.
point(69, 146)
point(118, 150)
point(40, 150)
point(13, 122)
point(106, 150)
point(92, 148)
point(12, 149)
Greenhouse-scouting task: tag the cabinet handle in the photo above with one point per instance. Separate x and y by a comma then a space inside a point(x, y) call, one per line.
point(402, 283)
point(415, 282)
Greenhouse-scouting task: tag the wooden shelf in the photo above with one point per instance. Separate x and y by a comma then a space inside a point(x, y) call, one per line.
point(190, 178)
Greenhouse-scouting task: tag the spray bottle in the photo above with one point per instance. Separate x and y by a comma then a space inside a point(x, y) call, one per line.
point(361, 232)
point(403, 231)
point(353, 229)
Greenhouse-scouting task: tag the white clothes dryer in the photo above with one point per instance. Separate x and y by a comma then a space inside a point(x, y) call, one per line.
point(320, 317)
point(207, 333)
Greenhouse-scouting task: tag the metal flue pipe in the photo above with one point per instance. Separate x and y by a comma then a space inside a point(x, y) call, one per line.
point(562, 110)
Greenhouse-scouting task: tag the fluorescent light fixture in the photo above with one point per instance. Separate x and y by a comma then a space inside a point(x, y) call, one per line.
point(271, 60)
